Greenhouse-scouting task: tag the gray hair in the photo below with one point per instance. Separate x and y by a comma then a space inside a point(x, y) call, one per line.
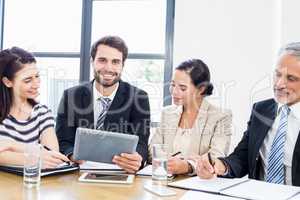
point(291, 49)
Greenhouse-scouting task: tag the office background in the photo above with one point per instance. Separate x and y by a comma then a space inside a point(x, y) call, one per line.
point(238, 39)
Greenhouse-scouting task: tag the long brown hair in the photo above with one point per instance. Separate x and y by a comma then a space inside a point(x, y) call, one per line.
point(11, 61)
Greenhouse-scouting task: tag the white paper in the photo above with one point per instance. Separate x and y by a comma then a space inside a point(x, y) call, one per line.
point(296, 197)
point(258, 190)
point(205, 196)
point(212, 185)
point(147, 171)
point(97, 166)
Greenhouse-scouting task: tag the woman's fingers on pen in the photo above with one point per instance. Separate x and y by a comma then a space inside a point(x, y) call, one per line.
point(53, 160)
point(60, 156)
point(206, 163)
point(202, 172)
point(47, 163)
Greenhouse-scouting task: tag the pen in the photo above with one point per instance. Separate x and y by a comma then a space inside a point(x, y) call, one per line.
point(210, 160)
point(47, 148)
point(175, 154)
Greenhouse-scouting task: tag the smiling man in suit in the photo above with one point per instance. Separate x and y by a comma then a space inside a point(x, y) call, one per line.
point(270, 147)
point(106, 103)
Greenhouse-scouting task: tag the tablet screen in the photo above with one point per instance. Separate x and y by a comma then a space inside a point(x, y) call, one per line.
point(108, 177)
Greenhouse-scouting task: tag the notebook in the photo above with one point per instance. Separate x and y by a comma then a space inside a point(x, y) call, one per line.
point(239, 187)
point(64, 168)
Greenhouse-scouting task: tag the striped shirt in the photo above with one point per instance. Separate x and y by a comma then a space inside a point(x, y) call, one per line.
point(30, 130)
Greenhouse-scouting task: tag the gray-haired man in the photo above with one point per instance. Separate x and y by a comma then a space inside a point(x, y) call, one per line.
point(270, 147)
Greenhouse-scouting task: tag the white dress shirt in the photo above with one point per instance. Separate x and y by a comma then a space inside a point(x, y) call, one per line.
point(293, 127)
point(97, 105)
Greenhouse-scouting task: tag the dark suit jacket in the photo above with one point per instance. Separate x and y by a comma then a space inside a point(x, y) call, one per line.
point(246, 159)
point(129, 113)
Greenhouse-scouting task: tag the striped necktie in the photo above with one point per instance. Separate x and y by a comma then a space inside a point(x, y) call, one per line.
point(275, 167)
point(105, 103)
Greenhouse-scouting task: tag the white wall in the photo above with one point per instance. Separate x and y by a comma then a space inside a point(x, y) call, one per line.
point(239, 40)
point(290, 30)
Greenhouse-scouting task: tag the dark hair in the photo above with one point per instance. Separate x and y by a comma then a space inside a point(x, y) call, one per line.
point(199, 74)
point(11, 61)
point(111, 41)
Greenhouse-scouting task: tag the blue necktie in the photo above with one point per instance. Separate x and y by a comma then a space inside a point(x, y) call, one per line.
point(105, 103)
point(275, 167)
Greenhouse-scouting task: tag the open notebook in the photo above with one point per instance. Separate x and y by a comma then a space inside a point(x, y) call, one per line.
point(65, 167)
point(239, 187)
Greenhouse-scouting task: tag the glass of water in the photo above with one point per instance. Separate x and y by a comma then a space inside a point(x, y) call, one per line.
point(32, 166)
point(159, 164)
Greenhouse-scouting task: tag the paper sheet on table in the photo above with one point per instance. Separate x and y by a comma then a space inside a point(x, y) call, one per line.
point(147, 171)
point(254, 189)
point(205, 196)
point(97, 166)
point(215, 185)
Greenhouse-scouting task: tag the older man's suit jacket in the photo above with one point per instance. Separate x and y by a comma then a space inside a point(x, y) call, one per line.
point(246, 159)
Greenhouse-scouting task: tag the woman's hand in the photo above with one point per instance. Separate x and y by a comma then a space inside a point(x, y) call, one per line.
point(177, 166)
point(50, 159)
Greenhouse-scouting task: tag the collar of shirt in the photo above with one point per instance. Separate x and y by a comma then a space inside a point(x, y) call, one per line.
point(97, 94)
point(295, 110)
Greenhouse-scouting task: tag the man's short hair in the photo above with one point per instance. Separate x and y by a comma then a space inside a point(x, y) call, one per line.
point(111, 41)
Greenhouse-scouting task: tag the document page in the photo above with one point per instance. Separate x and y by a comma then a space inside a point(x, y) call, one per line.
point(98, 166)
point(205, 196)
point(254, 189)
point(215, 185)
point(147, 171)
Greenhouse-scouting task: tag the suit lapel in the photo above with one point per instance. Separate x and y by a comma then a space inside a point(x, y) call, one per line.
point(198, 126)
point(87, 102)
point(295, 162)
point(266, 118)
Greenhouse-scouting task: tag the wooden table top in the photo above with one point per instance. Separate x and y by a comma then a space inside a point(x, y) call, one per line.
point(67, 187)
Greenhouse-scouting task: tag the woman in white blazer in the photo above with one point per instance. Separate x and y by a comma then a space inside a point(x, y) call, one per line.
point(192, 125)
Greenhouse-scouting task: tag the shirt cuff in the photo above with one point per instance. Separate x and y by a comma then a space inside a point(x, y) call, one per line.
point(193, 165)
point(227, 170)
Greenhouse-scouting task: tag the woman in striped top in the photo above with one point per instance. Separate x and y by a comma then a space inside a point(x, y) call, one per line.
point(22, 119)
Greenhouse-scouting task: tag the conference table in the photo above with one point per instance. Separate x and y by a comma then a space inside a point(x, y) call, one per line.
point(67, 187)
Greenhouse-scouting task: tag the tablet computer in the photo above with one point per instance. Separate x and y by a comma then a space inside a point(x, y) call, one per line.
point(94, 177)
point(102, 146)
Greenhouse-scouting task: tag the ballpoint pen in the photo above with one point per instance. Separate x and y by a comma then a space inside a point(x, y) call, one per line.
point(210, 160)
point(177, 153)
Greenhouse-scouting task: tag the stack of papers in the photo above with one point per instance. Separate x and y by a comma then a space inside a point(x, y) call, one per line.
point(90, 166)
